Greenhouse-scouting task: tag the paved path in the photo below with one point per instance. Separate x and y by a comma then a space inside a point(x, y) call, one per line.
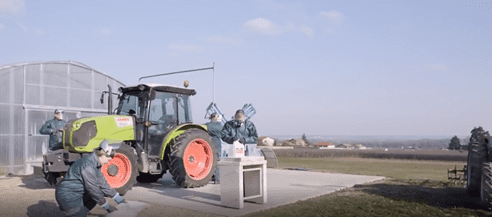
point(283, 186)
point(33, 196)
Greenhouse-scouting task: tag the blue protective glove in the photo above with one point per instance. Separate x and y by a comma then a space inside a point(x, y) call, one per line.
point(118, 198)
point(109, 208)
point(242, 140)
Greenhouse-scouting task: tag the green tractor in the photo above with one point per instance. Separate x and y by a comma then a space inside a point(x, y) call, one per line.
point(154, 125)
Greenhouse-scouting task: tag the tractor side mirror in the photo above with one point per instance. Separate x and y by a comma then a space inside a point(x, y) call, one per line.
point(102, 98)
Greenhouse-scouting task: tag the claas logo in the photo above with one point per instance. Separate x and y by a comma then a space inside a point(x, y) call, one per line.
point(122, 119)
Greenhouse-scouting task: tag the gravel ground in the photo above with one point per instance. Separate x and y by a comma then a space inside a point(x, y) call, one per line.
point(33, 196)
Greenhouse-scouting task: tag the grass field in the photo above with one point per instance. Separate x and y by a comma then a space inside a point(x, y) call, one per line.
point(399, 169)
point(412, 188)
point(420, 154)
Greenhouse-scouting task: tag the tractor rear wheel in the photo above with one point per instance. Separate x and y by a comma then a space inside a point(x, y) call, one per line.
point(193, 159)
point(477, 155)
point(486, 185)
point(122, 170)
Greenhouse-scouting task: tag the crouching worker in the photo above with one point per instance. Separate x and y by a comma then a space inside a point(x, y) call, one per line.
point(84, 185)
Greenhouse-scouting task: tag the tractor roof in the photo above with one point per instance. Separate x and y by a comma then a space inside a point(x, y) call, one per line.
point(158, 87)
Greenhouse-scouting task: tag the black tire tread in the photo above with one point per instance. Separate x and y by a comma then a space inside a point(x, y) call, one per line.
point(477, 155)
point(486, 185)
point(129, 153)
point(176, 165)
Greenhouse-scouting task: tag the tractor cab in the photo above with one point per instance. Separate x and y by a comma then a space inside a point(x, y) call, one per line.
point(157, 109)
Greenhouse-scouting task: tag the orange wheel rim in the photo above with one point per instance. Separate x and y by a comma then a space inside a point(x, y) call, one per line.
point(198, 159)
point(123, 173)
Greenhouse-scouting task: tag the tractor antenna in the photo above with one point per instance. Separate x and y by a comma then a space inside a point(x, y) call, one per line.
point(171, 73)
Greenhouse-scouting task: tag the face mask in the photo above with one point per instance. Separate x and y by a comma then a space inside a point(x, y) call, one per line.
point(238, 123)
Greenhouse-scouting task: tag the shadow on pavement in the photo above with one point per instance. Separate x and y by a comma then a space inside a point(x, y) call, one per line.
point(50, 208)
point(168, 188)
point(432, 193)
point(44, 208)
point(34, 181)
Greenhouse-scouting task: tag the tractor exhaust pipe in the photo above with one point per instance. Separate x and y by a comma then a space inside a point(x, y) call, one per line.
point(143, 160)
point(110, 100)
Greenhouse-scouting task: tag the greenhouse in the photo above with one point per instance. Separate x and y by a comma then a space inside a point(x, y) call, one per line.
point(30, 94)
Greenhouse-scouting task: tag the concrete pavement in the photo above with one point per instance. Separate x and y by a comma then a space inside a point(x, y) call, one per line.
point(283, 186)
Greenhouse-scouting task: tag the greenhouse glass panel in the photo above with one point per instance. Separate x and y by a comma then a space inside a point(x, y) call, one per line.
point(33, 94)
point(37, 119)
point(55, 96)
point(19, 120)
point(33, 74)
point(19, 150)
point(93, 114)
point(19, 85)
point(38, 145)
point(55, 75)
point(80, 77)
point(100, 82)
point(80, 98)
point(5, 84)
point(4, 150)
point(5, 119)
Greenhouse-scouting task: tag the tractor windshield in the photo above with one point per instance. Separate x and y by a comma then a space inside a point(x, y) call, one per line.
point(130, 103)
point(184, 109)
point(163, 108)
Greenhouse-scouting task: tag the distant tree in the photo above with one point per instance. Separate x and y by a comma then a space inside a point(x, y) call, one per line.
point(454, 144)
point(304, 138)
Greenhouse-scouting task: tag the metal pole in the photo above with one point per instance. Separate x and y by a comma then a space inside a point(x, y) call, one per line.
point(213, 83)
point(171, 73)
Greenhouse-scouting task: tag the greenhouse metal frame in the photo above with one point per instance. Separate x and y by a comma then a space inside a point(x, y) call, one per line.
point(30, 94)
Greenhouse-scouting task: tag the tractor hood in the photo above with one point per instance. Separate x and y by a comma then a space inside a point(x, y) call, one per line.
point(85, 134)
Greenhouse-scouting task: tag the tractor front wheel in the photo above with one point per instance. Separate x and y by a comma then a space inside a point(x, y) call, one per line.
point(193, 159)
point(122, 170)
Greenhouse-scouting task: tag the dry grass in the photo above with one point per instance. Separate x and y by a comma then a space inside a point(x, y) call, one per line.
point(387, 198)
point(399, 169)
point(423, 154)
point(414, 188)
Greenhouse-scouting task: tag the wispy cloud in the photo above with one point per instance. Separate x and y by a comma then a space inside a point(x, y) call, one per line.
point(307, 31)
point(333, 16)
point(14, 7)
point(2, 27)
point(334, 19)
point(439, 67)
point(186, 48)
point(262, 26)
point(224, 40)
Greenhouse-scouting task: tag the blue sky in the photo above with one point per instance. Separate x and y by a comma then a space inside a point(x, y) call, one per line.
point(314, 67)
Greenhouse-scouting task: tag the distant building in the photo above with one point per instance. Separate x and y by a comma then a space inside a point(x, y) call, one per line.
point(351, 146)
point(360, 146)
point(346, 146)
point(324, 144)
